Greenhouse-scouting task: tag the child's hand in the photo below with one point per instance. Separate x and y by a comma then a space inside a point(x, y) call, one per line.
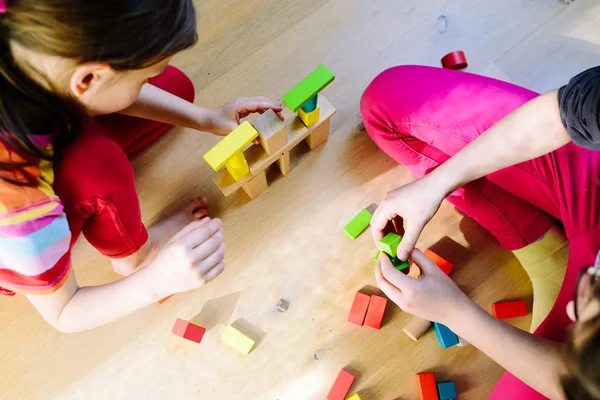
point(192, 258)
point(227, 118)
point(433, 296)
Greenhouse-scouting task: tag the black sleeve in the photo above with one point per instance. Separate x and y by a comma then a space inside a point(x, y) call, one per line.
point(579, 103)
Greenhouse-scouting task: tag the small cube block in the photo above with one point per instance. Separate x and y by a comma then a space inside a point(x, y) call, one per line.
point(237, 340)
point(271, 131)
point(442, 263)
point(446, 390)
point(399, 264)
point(375, 311)
point(355, 396)
point(188, 330)
point(358, 311)
point(358, 224)
point(427, 386)
point(509, 309)
point(445, 336)
point(389, 244)
point(310, 118)
point(341, 386)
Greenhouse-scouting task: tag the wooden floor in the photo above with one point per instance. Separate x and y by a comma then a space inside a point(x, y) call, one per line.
point(288, 243)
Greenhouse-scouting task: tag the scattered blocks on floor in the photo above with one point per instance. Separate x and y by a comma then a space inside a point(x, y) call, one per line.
point(341, 386)
point(427, 386)
point(358, 224)
point(309, 118)
point(237, 340)
point(308, 88)
point(188, 330)
point(445, 336)
point(389, 244)
point(359, 308)
point(355, 396)
point(442, 263)
point(509, 309)
point(416, 328)
point(446, 390)
point(375, 312)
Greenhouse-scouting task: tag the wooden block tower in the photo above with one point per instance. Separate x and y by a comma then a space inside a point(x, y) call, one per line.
point(245, 166)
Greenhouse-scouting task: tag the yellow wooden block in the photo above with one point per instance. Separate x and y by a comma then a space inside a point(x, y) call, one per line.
point(231, 144)
point(355, 396)
point(237, 340)
point(310, 118)
point(237, 165)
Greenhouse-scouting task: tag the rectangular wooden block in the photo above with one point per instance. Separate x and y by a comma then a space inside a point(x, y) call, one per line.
point(188, 330)
point(358, 311)
point(284, 163)
point(237, 340)
point(355, 396)
point(358, 224)
point(375, 312)
point(427, 386)
point(271, 131)
point(318, 135)
point(445, 336)
point(308, 88)
point(255, 186)
point(389, 244)
point(341, 386)
point(447, 390)
point(416, 328)
point(309, 118)
point(236, 141)
point(509, 309)
point(442, 263)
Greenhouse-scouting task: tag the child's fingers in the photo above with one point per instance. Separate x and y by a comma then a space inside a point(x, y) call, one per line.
point(427, 266)
point(392, 275)
point(379, 222)
point(392, 292)
point(189, 228)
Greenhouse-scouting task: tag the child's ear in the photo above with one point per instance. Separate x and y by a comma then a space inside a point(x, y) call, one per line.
point(88, 78)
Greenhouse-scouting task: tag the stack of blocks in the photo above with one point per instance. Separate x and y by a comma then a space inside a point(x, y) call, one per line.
point(389, 245)
point(367, 310)
point(245, 165)
point(341, 386)
point(430, 390)
point(445, 336)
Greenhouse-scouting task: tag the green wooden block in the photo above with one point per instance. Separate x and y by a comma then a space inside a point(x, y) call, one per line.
point(377, 255)
point(399, 264)
point(358, 224)
point(308, 88)
point(389, 244)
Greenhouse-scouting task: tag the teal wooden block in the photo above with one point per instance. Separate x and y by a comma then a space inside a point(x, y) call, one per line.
point(358, 224)
point(308, 88)
point(311, 105)
point(447, 390)
point(399, 264)
point(445, 336)
point(389, 244)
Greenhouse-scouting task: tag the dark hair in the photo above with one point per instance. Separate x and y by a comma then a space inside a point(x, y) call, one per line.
point(582, 381)
point(127, 34)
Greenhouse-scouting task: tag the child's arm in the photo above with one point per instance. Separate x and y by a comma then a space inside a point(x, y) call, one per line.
point(159, 105)
point(192, 258)
point(434, 297)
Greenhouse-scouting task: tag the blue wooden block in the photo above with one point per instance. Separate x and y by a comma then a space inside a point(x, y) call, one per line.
point(447, 390)
point(311, 105)
point(445, 336)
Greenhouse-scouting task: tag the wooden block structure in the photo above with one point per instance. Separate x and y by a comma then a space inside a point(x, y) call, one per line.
point(237, 340)
point(259, 158)
point(509, 309)
point(445, 336)
point(427, 386)
point(188, 330)
point(308, 88)
point(446, 390)
point(355, 396)
point(441, 262)
point(358, 224)
point(389, 244)
point(359, 308)
point(341, 386)
point(375, 312)
point(416, 328)
point(229, 152)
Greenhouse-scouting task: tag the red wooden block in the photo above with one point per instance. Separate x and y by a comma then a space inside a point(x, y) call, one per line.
point(509, 309)
point(375, 311)
point(359, 309)
point(442, 263)
point(188, 330)
point(427, 386)
point(455, 60)
point(162, 301)
point(341, 386)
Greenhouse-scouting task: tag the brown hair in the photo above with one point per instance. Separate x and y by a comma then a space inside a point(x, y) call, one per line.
point(127, 34)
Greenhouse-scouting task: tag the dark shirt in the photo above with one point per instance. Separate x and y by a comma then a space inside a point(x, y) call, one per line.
point(579, 103)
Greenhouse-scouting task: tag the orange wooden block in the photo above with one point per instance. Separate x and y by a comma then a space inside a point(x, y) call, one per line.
point(442, 263)
point(358, 311)
point(165, 299)
point(427, 386)
point(509, 309)
point(375, 312)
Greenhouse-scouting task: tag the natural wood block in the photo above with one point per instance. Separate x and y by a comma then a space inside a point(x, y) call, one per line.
point(188, 330)
point(359, 308)
point(416, 328)
point(237, 340)
point(255, 186)
point(319, 135)
point(284, 163)
point(375, 312)
point(509, 309)
point(271, 131)
point(341, 386)
point(427, 386)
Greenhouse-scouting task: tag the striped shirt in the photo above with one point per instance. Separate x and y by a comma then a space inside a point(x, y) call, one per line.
point(34, 233)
